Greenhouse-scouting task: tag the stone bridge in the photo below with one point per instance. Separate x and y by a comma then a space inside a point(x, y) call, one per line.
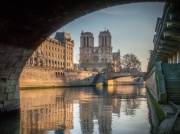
point(121, 74)
point(25, 24)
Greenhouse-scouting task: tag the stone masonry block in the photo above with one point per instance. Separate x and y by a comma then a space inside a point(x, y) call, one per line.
point(18, 70)
point(20, 64)
point(3, 96)
point(2, 65)
point(17, 87)
point(11, 62)
point(25, 58)
point(14, 76)
point(14, 82)
point(2, 89)
point(1, 106)
point(12, 70)
point(4, 83)
point(10, 96)
point(4, 74)
point(11, 104)
point(10, 89)
point(28, 53)
point(16, 95)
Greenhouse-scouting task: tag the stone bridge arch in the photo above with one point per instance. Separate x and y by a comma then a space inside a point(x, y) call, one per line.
point(26, 24)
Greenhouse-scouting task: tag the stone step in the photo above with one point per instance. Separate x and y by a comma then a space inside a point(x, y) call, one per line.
point(175, 98)
point(176, 129)
point(173, 94)
point(171, 91)
point(172, 83)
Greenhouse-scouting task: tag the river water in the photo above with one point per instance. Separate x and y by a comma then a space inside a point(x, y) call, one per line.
point(82, 110)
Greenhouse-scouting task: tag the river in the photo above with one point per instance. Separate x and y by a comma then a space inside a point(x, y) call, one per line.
point(82, 110)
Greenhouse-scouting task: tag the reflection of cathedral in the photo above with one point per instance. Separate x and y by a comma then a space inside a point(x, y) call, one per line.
point(97, 109)
point(99, 58)
point(54, 53)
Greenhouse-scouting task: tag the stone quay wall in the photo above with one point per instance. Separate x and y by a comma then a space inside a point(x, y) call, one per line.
point(156, 84)
point(48, 77)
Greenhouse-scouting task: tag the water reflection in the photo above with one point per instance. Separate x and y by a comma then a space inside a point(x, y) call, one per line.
point(83, 110)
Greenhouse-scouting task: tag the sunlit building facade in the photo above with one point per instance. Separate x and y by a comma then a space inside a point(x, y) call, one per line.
point(54, 53)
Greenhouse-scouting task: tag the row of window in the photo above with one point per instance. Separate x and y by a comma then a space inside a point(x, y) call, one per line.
point(96, 51)
point(55, 48)
point(60, 74)
point(51, 47)
point(58, 63)
point(62, 56)
point(62, 52)
point(103, 60)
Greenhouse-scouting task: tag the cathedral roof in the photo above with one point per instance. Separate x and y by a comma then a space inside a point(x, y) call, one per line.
point(115, 54)
point(105, 32)
point(87, 33)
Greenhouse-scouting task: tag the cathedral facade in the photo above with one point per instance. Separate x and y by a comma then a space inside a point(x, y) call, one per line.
point(100, 58)
point(54, 52)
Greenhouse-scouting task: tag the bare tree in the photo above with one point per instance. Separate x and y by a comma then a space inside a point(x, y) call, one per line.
point(109, 67)
point(131, 63)
point(84, 61)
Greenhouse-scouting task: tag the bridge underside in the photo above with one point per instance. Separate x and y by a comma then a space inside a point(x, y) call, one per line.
point(24, 25)
point(167, 37)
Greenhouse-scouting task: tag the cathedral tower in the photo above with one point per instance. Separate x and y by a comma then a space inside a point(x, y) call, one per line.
point(87, 39)
point(105, 38)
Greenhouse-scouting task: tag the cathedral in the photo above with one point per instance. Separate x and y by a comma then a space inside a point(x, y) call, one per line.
point(100, 58)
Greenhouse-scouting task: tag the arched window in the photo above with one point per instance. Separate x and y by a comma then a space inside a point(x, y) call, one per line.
point(84, 41)
point(87, 41)
point(102, 41)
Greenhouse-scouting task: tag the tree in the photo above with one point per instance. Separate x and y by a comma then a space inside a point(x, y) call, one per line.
point(84, 61)
point(131, 63)
point(109, 67)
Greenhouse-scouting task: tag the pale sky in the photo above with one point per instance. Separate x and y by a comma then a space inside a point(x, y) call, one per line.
point(132, 27)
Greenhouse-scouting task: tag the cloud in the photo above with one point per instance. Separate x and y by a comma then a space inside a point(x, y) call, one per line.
point(119, 12)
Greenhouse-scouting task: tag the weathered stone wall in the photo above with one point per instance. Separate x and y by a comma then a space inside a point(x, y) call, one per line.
point(151, 85)
point(48, 77)
point(79, 77)
point(12, 60)
point(156, 84)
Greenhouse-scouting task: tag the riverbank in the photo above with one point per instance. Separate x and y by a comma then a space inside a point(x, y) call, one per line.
point(35, 77)
point(162, 115)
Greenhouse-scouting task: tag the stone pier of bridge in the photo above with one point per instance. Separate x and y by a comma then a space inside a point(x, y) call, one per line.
point(12, 61)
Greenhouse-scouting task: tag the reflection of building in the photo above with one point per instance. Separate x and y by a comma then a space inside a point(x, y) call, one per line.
point(50, 114)
point(54, 53)
point(99, 58)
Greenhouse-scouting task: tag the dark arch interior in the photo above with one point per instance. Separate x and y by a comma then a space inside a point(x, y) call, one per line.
point(27, 24)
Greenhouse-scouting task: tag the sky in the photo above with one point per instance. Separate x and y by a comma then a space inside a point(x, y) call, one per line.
point(132, 27)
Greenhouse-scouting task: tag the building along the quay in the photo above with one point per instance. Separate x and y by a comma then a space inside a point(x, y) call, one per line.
point(51, 65)
point(54, 53)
